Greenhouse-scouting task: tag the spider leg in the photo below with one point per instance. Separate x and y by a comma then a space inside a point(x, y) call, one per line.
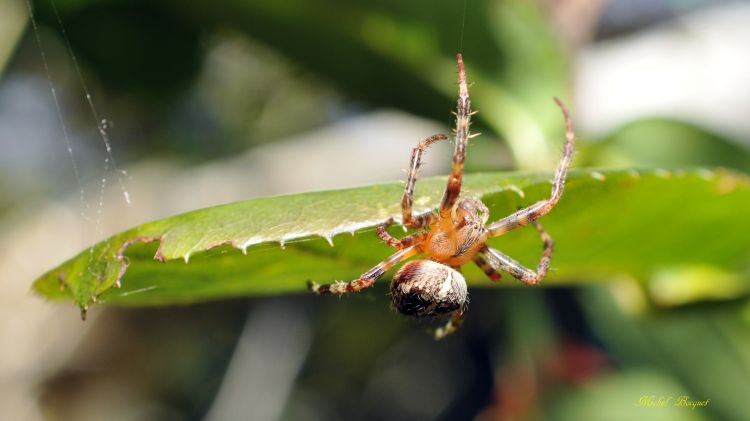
point(394, 242)
point(542, 207)
point(454, 323)
point(407, 201)
point(368, 278)
point(463, 120)
point(530, 277)
point(489, 270)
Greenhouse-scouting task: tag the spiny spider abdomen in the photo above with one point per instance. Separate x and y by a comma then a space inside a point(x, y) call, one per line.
point(455, 235)
point(423, 288)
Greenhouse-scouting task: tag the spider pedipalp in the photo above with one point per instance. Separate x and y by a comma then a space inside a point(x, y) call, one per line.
point(455, 235)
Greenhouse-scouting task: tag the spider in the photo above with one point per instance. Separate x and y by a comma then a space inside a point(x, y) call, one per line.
point(454, 235)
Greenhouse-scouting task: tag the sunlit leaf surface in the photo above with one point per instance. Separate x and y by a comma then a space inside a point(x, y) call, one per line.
point(608, 223)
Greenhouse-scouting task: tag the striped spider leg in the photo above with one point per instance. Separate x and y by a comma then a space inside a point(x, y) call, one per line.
point(454, 235)
point(408, 246)
point(489, 258)
point(492, 262)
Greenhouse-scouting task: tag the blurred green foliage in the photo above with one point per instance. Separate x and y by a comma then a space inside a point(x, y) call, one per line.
point(667, 143)
point(383, 53)
point(631, 338)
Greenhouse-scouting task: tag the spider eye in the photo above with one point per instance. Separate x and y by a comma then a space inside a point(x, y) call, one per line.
point(423, 288)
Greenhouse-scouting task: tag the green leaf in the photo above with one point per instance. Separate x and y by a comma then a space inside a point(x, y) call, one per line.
point(668, 143)
point(626, 393)
point(704, 346)
point(607, 223)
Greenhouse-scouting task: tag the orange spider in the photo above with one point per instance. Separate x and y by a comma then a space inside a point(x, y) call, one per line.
point(456, 234)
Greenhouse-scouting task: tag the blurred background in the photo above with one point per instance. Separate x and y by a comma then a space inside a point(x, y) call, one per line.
point(205, 103)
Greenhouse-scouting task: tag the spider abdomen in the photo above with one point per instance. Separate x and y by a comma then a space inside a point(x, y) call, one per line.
point(424, 288)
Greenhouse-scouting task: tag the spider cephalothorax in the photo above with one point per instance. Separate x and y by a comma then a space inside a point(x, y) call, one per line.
point(454, 235)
